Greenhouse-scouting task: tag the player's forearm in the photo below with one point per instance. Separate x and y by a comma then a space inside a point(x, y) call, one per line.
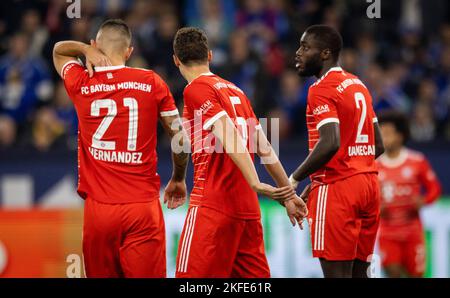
point(319, 157)
point(70, 48)
point(179, 164)
point(180, 158)
point(433, 191)
point(270, 159)
point(233, 145)
point(275, 169)
point(322, 153)
point(379, 146)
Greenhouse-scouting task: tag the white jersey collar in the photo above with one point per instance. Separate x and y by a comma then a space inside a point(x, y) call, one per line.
point(201, 75)
point(394, 162)
point(336, 68)
point(108, 68)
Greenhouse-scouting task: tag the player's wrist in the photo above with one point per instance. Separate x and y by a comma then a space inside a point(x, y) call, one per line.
point(178, 178)
point(293, 181)
point(283, 202)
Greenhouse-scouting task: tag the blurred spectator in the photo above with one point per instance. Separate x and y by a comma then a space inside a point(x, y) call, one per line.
point(24, 80)
point(216, 17)
point(404, 60)
point(37, 34)
point(47, 129)
point(246, 70)
point(292, 102)
point(259, 23)
point(423, 127)
point(7, 131)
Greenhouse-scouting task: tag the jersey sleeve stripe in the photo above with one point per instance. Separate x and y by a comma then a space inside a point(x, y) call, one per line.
point(67, 64)
point(169, 113)
point(326, 121)
point(213, 119)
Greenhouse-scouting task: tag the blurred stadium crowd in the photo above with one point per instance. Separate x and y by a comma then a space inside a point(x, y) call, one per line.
point(404, 58)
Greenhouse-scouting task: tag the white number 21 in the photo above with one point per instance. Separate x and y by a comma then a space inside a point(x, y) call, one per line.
point(110, 104)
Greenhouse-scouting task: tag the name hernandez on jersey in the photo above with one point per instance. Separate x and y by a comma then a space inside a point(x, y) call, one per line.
point(340, 97)
point(118, 110)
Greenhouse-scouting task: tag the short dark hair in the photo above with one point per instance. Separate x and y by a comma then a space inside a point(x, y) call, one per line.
point(119, 25)
point(328, 38)
point(190, 45)
point(398, 120)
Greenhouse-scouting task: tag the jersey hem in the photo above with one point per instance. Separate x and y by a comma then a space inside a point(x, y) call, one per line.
point(316, 183)
point(243, 217)
point(119, 202)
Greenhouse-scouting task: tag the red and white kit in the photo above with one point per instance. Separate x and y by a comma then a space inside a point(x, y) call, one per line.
point(344, 201)
point(404, 180)
point(222, 235)
point(118, 110)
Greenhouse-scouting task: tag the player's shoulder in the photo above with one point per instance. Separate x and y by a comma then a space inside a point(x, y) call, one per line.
point(204, 82)
point(415, 156)
point(332, 79)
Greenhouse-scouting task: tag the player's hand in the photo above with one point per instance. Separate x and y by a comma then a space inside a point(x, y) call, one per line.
point(278, 194)
point(420, 202)
point(94, 57)
point(296, 210)
point(175, 194)
point(305, 193)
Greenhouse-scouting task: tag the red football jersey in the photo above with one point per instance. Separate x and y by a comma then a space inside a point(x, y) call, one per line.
point(118, 110)
point(402, 181)
point(340, 97)
point(218, 182)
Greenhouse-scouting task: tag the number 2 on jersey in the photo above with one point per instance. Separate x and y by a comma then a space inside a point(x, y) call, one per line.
point(111, 105)
point(359, 98)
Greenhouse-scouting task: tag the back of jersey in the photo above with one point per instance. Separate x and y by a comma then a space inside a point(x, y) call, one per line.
point(118, 110)
point(218, 182)
point(342, 98)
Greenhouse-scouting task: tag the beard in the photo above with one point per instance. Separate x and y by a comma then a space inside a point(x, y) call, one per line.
point(312, 67)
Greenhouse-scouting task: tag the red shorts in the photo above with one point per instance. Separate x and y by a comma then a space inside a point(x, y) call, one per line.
point(344, 217)
point(409, 254)
point(213, 244)
point(124, 240)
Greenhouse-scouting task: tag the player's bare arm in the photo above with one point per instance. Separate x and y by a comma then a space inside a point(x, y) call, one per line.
point(234, 146)
point(295, 207)
point(379, 146)
point(175, 192)
point(69, 50)
point(322, 153)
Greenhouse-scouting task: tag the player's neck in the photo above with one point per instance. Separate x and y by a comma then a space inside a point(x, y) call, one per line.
point(193, 72)
point(117, 61)
point(326, 68)
point(393, 154)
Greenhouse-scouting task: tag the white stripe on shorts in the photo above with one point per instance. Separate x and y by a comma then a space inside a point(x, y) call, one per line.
point(319, 225)
point(187, 239)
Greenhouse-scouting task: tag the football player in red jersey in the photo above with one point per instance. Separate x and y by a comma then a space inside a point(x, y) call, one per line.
point(407, 183)
point(344, 141)
point(118, 110)
point(222, 235)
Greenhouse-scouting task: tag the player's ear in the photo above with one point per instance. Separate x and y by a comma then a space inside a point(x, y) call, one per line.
point(176, 61)
point(128, 53)
point(326, 54)
point(210, 56)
